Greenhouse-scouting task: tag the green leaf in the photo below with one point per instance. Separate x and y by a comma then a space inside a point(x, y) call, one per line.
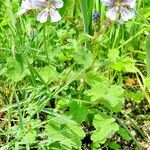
point(105, 127)
point(48, 73)
point(97, 92)
point(62, 103)
point(113, 54)
point(106, 94)
point(28, 134)
point(147, 82)
point(66, 133)
point(124, 134)
point(84, 37)
point(64, 34)
point(16, 70)
point(29, 137)
point(137, 97)
point(78, 111)
point(114, 98)
point(114, 146)
point(93, 78)
point(125, 64)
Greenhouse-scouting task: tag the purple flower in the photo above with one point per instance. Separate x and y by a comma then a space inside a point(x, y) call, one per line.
point(120, 10)
point(49, 8)
point(95, 16)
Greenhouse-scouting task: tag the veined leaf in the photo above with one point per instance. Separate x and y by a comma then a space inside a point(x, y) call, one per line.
point(78, 111)
point(105, 127)
point(65, 133)
point(111, 96)
point(48, 73)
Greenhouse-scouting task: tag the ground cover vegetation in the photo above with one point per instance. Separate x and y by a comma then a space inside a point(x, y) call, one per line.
point(74, 74)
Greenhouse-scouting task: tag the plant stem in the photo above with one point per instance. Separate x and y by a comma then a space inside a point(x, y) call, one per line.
point(126, 128)
point(135, 126)
point(148, 56)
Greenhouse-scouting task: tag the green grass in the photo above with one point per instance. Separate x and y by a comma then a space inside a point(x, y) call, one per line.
point(66, 85)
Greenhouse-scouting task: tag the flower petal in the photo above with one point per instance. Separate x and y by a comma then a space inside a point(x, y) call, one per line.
point(120, 21)
point(42, 16)
point(108, 3)
point(95, 16)
point(130, 3)
point(38, 3)
point(21, 11)
point(55, 16)
point(126, 14)
point(58, 4)
point(112, 13)
point(25, 6)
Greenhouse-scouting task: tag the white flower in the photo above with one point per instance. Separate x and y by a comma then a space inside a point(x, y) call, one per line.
point(25, 6)
point(124, 8)
point(49, 8)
